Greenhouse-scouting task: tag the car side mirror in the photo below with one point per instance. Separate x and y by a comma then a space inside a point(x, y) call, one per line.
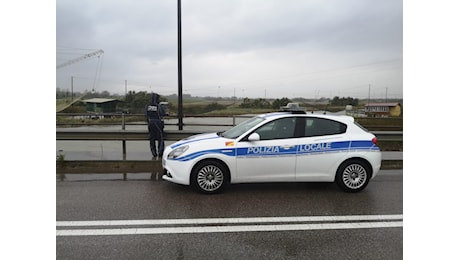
point(254, 137)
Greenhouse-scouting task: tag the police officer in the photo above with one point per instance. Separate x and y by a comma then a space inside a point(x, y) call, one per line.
point(154, 113)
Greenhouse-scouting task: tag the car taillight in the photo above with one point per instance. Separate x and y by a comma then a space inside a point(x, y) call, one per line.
point(374, 140)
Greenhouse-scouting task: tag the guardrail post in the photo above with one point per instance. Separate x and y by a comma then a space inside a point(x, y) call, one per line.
point(123, 142)
point(124, 157)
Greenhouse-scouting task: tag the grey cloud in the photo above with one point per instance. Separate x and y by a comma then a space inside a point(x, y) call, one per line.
point(140, 37)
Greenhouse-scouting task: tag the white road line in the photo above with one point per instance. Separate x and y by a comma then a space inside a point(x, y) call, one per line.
point(198, 221)
point(220, 229)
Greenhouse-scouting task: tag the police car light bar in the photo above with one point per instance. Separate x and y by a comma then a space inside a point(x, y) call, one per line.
point(293, 107)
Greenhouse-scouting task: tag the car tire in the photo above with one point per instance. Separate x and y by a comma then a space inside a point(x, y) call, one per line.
point(353, 175)
point(209, 177)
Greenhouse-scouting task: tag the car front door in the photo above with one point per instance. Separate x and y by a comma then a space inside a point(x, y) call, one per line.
point(270, 154)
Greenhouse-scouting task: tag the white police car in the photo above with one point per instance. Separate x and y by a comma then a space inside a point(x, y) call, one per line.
point(277, 147)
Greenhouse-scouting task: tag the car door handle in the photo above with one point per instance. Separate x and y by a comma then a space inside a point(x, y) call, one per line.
point(287, 146)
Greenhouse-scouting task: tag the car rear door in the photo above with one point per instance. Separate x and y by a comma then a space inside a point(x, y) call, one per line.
point(322, 146)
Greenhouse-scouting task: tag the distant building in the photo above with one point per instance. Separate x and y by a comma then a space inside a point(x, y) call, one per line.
point(382, 109)
point(101, 105)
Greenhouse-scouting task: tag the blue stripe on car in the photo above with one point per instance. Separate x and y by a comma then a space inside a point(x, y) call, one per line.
point(229, 152)
point(302, 149)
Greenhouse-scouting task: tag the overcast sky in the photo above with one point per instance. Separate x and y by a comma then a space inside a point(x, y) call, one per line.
point(251, 48)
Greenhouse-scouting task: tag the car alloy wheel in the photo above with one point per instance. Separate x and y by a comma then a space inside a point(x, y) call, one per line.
point(209, 177)
point(354, 176)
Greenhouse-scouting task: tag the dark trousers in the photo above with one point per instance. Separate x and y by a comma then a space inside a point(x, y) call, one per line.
point(156, 135)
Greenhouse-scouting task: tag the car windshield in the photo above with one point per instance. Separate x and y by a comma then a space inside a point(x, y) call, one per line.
point(242, 128)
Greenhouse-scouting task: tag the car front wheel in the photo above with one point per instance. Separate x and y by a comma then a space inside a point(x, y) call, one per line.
point(209, 177)
point(353, 176)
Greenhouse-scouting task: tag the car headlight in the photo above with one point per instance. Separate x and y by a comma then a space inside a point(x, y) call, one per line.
point(177, 152)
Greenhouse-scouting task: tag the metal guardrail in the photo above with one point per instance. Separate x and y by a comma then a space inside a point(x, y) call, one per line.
point(122, 120)
point(124, 166)
point(396, 136)
point(141, 117)
point(117, 135)
point(170, 135)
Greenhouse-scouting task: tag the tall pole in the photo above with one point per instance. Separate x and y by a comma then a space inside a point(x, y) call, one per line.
point(369, 95)
point(179, 69)
point(386, 95)
point(71, 88)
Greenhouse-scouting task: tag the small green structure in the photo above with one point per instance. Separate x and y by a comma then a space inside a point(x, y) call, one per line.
point(101, 105)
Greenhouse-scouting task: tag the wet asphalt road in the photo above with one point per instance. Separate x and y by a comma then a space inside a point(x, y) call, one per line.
point(143, 199)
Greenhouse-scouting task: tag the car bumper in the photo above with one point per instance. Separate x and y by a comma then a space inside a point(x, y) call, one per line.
point(376, 162)
point(176, 171)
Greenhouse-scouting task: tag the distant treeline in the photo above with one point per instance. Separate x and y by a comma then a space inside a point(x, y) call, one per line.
point(134, 102)
point(336, 101)
point(263, 103)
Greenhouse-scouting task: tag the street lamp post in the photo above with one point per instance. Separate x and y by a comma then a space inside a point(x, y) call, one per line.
point(179, 69)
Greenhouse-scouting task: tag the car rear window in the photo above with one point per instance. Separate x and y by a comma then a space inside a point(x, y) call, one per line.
point(321, 126)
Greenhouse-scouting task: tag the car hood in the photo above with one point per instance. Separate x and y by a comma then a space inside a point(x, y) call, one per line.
point(196, 138)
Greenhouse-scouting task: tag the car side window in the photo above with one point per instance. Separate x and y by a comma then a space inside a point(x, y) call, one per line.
point(321, 126)
point(278, 129)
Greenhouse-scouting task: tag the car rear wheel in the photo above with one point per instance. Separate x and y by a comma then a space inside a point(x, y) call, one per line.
point(353, 176)
point(209, 177)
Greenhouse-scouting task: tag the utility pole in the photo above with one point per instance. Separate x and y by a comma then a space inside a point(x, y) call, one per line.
point(71, 88)
point(179, 68)
point(386, 95)
point(369, 95)
point(126, 88)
